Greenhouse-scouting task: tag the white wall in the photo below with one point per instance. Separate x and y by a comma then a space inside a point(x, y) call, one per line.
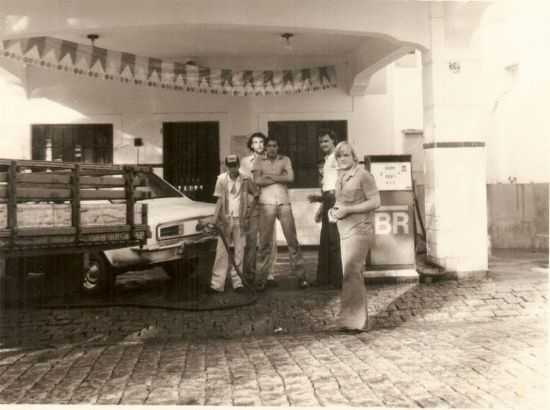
point(56, 97)
point(516, 55)
point(34, 95)
point(14, 129)
point(406, 92)
point(514, 50)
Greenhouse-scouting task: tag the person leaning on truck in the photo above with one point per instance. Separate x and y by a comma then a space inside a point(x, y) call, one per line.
point(235, 193)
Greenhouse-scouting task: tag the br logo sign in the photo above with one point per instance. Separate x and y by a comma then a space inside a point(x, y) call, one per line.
point(391, 223)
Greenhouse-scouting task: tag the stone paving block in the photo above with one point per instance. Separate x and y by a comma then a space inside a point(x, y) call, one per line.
point(274, 400)
point(246, 401)
point(164, 396)
point(426, 352)
point(33, 398)
point(367, 402)
point(332, 400)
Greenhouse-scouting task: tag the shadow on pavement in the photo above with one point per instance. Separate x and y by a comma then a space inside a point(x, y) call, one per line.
point(285, 310)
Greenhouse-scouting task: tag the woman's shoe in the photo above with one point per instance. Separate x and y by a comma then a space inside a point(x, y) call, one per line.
point(303, 284)
point(351, 331)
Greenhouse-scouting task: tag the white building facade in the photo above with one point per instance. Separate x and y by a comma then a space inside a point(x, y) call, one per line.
point(437, 69)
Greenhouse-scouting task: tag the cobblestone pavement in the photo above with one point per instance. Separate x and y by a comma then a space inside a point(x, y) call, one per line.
point(448, 344)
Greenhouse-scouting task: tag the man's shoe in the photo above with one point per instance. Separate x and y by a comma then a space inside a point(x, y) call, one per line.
point(271, 283)
point(212, 291)
point(303, 284)
point(260, 287)
point(240, 289)
point(351, 331)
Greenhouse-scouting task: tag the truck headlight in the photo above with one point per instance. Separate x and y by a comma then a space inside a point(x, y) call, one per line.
point(178, 229)
point(170, 231)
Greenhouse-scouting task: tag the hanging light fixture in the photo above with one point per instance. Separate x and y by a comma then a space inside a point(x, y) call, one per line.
point(286, 39)
point(93, 38)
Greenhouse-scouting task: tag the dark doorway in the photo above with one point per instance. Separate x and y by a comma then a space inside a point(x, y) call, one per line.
point(298, 140)
point(90, 143)
point(191, 154)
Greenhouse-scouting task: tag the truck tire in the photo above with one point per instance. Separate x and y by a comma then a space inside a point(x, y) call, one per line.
point(97, 278)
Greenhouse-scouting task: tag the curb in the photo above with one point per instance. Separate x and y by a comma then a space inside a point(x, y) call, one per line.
point(391, 277)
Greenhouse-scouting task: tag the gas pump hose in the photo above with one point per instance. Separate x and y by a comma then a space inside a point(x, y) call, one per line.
point(210, 227)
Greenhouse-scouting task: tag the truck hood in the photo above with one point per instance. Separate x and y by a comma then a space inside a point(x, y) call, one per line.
point(163, 210)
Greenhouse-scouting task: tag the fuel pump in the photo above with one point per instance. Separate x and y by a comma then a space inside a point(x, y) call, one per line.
point(394, 223)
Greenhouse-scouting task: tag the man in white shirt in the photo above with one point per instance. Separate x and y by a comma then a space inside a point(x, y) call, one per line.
point(233, 191)
point(256, 145)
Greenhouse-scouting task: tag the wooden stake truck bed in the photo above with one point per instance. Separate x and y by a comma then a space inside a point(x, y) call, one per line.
point(55, 207)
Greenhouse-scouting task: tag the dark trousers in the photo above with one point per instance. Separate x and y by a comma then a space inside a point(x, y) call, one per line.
point(329, 268)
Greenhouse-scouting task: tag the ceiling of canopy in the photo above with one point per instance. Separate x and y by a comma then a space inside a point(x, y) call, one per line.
point(176, 42)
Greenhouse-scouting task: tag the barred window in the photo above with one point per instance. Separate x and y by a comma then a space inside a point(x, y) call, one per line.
point(90, 143)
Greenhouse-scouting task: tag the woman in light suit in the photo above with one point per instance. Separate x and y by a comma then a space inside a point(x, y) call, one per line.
point(356, 199)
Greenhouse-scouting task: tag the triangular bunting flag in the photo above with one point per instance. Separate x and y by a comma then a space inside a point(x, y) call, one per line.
point(68, 49)
point(37, 44)
point(167, 69)
point(99, 55)
point(128, 62)
point(107, 64)
point(204, 75)
point(154, 70)
point(112, 69)
point(192, 76)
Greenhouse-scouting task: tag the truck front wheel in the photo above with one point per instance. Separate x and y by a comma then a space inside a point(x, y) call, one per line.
point(98, 277)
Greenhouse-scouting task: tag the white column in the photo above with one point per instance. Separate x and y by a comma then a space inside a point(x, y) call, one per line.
point(14, 126)
point(454, 148)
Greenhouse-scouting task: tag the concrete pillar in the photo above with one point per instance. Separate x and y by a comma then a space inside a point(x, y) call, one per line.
point(454, 148)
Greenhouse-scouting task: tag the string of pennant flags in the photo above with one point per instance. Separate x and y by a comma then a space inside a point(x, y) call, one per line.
point(96, 62)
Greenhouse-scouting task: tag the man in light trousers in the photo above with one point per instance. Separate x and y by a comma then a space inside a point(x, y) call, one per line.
point(235, 193)
point(273, 174)
point(256, 145)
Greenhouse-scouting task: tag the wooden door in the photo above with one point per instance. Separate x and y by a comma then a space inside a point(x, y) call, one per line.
point(299, 141)
point(191, 157)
